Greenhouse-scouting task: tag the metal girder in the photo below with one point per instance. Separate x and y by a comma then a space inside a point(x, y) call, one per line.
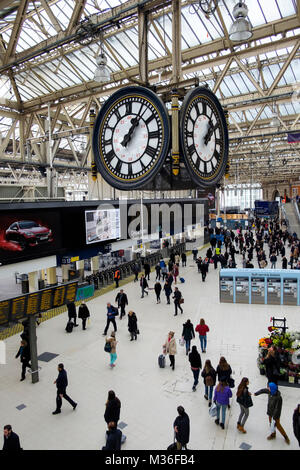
point(16, 31)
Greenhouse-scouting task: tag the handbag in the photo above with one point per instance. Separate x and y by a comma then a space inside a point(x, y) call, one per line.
point(181, 301)
point(272, 426)
point(231, 382)
point(213, 410)
point(107, 347)
point(209, 381)
point(181, 341)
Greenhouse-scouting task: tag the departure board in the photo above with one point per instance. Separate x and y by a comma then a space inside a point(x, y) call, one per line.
point(37, 302)
point(33, 303)
point(4, 311)
point(46, 300)
point(59, 296)
point(18, 307)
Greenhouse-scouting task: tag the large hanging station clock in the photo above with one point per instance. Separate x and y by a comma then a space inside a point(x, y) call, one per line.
point(131, 137)
point(204, 138)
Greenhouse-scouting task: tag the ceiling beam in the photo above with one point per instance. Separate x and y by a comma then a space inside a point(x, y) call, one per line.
point(16, 31)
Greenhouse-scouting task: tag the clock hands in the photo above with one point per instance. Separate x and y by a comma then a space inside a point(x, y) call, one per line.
point(210, 132)
point(134, 123)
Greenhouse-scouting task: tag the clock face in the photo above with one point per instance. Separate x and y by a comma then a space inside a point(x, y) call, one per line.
point(131, 137)
point(204, 137)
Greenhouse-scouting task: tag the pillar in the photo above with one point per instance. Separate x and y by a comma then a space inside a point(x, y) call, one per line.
point(33, 281)
point(51, 276)
point(143, 45)
point(176, 41)
point(80, 268)
point(65, 272)
point(95, 264)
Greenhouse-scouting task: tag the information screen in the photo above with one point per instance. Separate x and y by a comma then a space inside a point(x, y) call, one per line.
point(18, 307)
point(46, 300)
point(4, 311)
point(102, 225)
point(33, 302)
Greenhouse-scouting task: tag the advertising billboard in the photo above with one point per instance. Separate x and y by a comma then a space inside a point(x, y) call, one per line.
point(26, 235)
point(102, 225)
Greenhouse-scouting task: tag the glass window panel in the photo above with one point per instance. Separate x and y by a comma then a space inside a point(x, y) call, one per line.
point(286, 8)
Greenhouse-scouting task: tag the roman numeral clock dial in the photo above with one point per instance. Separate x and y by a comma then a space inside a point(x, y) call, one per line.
point(131, 137)
point(203, 137)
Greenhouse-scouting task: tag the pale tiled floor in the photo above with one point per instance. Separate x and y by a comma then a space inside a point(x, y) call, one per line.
point(149, 395)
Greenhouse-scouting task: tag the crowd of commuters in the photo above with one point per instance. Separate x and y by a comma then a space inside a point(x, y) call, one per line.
point(218, 384)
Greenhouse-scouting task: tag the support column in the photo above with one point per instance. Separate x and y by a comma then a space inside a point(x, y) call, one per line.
point(80, 268)
point(65, 272)
point(33, 281)
point(95, 264)
point(51, 276)
point(143, 45)
point(176, 41)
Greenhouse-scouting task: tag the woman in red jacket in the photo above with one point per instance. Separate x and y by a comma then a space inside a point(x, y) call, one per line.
point(202, 329)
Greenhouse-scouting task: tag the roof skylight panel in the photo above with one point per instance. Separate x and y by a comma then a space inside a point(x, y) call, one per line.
point(286, 8)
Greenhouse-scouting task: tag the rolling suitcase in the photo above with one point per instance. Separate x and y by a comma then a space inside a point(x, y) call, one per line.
point(161, 361)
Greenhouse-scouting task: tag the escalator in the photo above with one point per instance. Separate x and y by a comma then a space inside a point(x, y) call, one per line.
point(292, 216)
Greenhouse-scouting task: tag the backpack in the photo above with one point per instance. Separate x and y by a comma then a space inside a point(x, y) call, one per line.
point(107, 347)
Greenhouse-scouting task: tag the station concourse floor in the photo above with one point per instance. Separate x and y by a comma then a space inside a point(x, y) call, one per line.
point(149, 395)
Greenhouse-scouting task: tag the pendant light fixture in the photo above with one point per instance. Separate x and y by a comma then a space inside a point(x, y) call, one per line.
point(241, 28)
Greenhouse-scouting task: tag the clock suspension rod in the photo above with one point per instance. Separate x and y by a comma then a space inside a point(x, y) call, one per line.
point(175, 133)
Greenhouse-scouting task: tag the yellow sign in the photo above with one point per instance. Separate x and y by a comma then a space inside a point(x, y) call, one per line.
point(75, 258)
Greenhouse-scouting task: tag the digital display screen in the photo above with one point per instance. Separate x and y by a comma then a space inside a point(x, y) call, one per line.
point(102, 225)
point(4, 311)
point(26, 235)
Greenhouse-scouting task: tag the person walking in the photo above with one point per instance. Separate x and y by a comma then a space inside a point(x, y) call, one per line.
point(202, 329)
point(164, 271)
point(175, 273)
point(157, 289)
point(61, 385)
point(221, 398)
point(72, 312)
point(170, 348)
point(223, 370)
point(117, 277)
point(272, 364)
point(203, 270)
point(158, 270)
point(112, 408)
point(147, 270)
point(112, 312)
point(177, 300)
point(132, 325)
point(245, 401)
point(113, 437)
point(274, 410)
point(24, 353)
point(209, 378)
point(144, 285)
point(188, 334)
point(273, 260)
point(181, 427)
point(168, 291)
point(196, 364)
point(113, 348)
point(135, 270)
point(84, 314)
point(183, 259)
point(122, 300)
point(11, 439)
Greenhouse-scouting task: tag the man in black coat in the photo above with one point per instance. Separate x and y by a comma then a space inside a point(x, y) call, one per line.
point(24, 353)
point(83, 313)
point(72, 312)
point(144, 285)
point(61, 385)
point(182, 428)
point(157, 289)
point(113, 437)
point(122, 302)
point(177, 297)
point(11, 439)
point(147, 270)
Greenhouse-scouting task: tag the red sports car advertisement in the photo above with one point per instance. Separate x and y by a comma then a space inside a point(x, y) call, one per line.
point(27, 235)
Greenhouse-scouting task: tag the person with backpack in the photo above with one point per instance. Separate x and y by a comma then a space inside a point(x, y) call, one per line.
point(209, 378)
point(111, 348)
point(122, 300)
point(188, 334)
point(117, 277)
point(112, 408)
point(112, 312)
point(157, 289)
point(245, 401)
point(144, 285)
point(132, 325)
point(181, 427)
point(274, 410)
point(24, 353)
point(202, 329)
point(221, 398)
point(196, 364)
point(84, 314)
